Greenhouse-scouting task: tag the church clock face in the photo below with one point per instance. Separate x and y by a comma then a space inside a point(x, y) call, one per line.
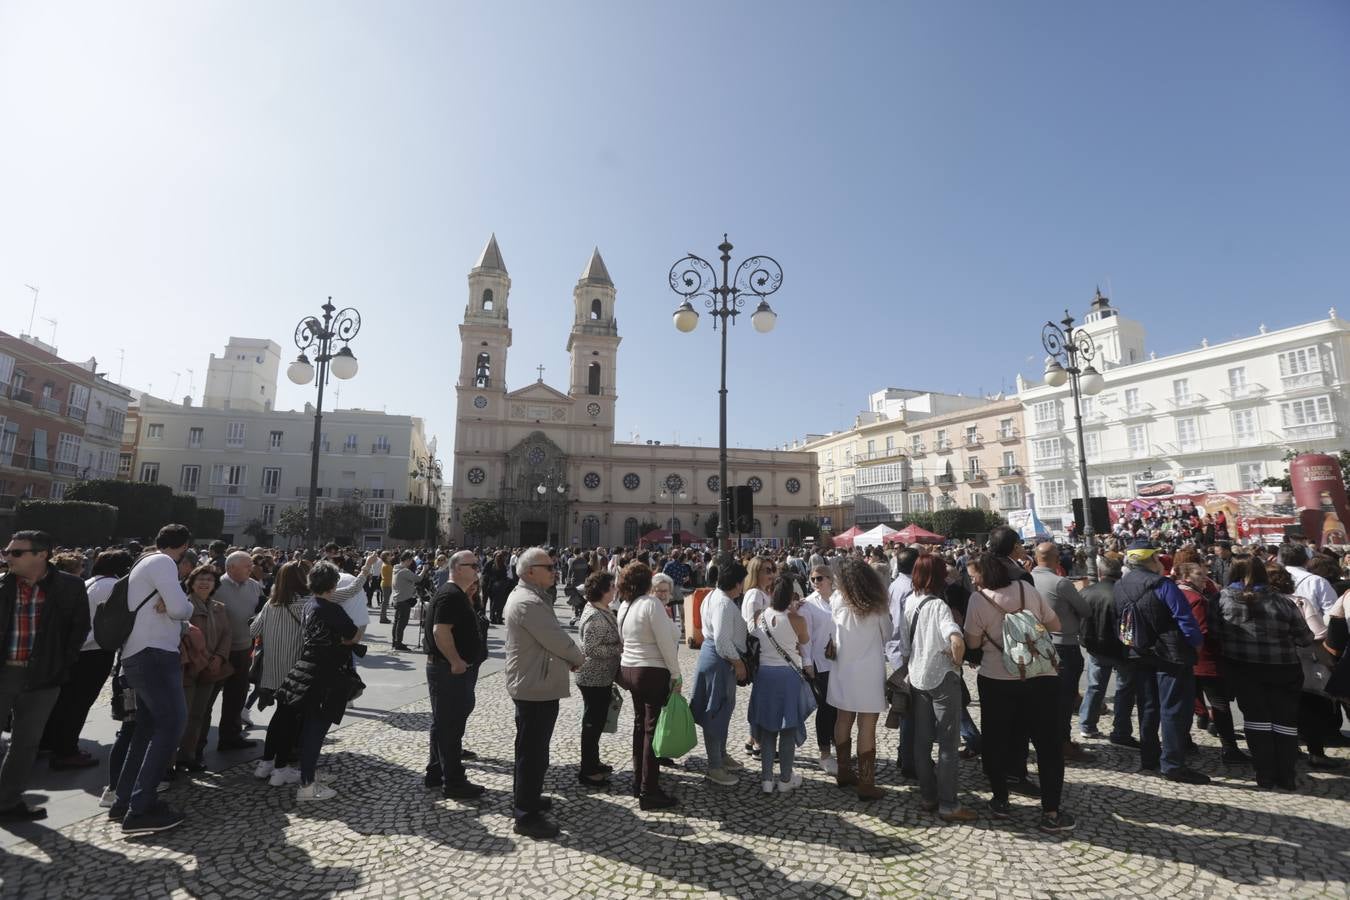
point(592, 480)
point(480, 402)
point(475, 475)
point(674, 483)
point(535, 456)
point(793, 485)
point(755, 484)
point(593, 409)
point(631, 481)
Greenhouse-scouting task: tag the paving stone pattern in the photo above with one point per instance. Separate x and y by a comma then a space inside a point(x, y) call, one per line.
point(386, 835)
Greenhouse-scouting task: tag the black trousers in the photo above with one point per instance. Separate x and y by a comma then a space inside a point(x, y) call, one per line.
point(534, 732)
point(649, 687)
point(402, 612)
point(1268, 696)
point(87, 677)
point(452, 702)
point(594, 714)
point(825, 714)
point(1011, 711)
point(233, 691)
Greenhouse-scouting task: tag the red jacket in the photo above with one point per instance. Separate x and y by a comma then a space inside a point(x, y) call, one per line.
point(1207, 656)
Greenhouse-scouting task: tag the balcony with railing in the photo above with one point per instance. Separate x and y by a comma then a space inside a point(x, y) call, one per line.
point(1242, 393)
point(380, 448)
point(102, 432)
point(1306, 381)
point(66, 469)
point(919, 449)
point(1057, 460)
point(380, 494)
point(1009, 471)
point(1312, 432)
point(943, 446)
point(350, 448)
point(323, 446)
point(76, 413)
point(1137, 410)
point(975, 476)
point(1185, 402)
point(318, 492)
point(1095, 419)
point(22, 395)
point(974, 439)
point(227, 490)
point(1049, 426)
point(49, 404)
point(1006, 501)
point(1005, 435)
point(8, 501)
point(945, 481)
point(879, 455)
point(919, 481)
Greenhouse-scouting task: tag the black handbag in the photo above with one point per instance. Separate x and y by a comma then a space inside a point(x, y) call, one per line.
point(750, 657)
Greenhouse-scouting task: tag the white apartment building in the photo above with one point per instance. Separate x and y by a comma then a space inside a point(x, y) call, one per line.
point(251, 461)
point(1220, 415)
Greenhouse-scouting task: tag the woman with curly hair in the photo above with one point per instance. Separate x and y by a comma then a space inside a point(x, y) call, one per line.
point(862, 626)
point(650, 668)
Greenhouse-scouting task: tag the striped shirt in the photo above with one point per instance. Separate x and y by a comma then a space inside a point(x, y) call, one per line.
point(282, 638)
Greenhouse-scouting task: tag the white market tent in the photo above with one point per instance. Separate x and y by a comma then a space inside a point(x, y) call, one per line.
point(874, 537)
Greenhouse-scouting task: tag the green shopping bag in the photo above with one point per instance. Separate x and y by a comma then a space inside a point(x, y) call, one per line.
point(674, 735)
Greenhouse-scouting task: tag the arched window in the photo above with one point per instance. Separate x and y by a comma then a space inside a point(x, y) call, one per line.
point(595, 310)
point(757, 530)
point(590, 532)
point(630, 532)
point(593, 378)
point(483, 375)
point(487, 300)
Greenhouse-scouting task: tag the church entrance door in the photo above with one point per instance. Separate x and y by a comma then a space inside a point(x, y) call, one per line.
point(533, 534)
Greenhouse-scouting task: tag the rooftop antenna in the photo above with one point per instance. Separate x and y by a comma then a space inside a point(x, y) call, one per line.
point(51, 322)
point(192, 382)
point(33, 314)
point(122, 362)
point(174, 393)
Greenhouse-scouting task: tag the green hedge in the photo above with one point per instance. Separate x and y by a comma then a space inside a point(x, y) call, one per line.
point(72, 523)
point(142, 509)
point(207, 523)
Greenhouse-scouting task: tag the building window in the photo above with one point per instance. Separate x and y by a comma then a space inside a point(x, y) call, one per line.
point(1244, 427)
point(1046, 412)
point(194, 437)
point(846, 487)
point(57, 490)
point(1181, 390)
point(973, 465)
point(1237, 380)
point(1053, 494)
point(1300, 361)
point(972, 434)
point(756, 530)
point(78, 403)
point(1047, 450)
point(68, 451)
point(150, 473)
point(227, 479)
point(377, 515)
point(230, 506)
point(1009, 459)
point(350, 445)
point(1087, 406)
point(630, 532)
point(268, 513)
point(1131, 399)
point(916, 443)
point(942, 442)
point(1188, 434)
point(1092, 445)
point(1312, 411)
point(1250, 476)
point(274, 439)
point(890, 443)
point(124, 465)
point(154, 432)
point(593, 379)
point(271, 481)
point(234, 434)
point(1005, 427)
point(1009, 496)
point(188, 479)
point(919, 502)
point(487, 300)
point(381, 443)
point(871, 448)
point(596, 310)
point(1137, 439)
point(848, 456)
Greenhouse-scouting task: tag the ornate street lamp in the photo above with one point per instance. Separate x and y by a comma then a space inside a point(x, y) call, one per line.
point(312, 334)
point(1070, 360)
point(693, 277)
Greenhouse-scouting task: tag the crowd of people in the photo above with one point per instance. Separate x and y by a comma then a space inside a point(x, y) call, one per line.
point(852, 637)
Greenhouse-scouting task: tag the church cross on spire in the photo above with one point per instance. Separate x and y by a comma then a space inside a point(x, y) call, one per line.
point(540, 367)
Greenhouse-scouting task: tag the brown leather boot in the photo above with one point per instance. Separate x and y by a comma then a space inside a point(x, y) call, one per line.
point(867, 777)
point(845, 777)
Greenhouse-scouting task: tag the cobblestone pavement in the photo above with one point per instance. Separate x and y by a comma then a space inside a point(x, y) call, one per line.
point(385, 835)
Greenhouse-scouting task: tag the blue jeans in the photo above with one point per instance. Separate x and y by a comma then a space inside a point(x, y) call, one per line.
point(935, 715)
point(970, 735)
point(787, 752)
point(1166, 704)
point(904, 751)
point(1070, 670)
point(452, 701)
point(161, 714)
point(1094, 697)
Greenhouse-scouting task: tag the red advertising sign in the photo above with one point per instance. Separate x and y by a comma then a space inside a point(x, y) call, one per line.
point(1319, 494)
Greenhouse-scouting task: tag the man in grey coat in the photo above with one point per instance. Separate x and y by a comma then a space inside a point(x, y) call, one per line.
point(539, 658)
point(1071, 609)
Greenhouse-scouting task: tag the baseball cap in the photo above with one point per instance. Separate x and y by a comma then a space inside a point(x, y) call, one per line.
point(1139, 550)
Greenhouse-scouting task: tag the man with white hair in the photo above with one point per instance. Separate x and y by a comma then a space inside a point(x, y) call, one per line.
point(539, 655)
point(242, 597)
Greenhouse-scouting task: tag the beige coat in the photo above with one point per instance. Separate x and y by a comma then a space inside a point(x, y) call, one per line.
point(539, 654)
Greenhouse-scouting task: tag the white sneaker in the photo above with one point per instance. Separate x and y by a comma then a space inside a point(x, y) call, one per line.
point(108, 799)
point(787, 787)
point(768, 786)
point(721, 776)
point(829, 765)
point(315, 791)
point(284, 776)
point(265, 768)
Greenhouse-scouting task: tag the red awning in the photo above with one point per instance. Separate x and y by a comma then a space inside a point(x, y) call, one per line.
point(846, 539)
point(913, 534)
point(662, 536)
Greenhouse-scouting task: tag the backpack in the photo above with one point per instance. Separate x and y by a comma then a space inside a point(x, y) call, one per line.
point(1027, 648)
point(1100, 633)
point(114, 619)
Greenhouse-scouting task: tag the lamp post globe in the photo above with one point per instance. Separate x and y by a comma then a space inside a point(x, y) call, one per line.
point(763, 318)
point(344, 363)
point(1091, 381)
point(300, 371)
point(1055, 375)
point(686, 317)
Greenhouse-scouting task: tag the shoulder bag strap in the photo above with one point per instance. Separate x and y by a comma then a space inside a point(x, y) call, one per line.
point(914, 626)
point(1000, 609)
point(779, 647)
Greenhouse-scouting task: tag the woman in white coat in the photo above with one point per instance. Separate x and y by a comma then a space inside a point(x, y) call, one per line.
point(857, 683)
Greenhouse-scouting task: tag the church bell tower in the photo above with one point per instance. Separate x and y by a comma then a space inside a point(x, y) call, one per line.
point(593, 344)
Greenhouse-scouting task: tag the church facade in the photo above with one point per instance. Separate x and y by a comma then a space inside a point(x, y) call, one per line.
point(548, 457)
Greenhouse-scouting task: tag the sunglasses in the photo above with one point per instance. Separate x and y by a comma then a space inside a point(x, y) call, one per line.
point(469, 565)
point(18, 552)
point(815, 578)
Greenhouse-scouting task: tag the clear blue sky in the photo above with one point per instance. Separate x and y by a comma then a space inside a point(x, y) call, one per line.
point(936, 179)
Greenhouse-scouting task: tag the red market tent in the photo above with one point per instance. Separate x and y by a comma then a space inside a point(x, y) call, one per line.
point(846, 539)
point(913, 534)
point(661, 536)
